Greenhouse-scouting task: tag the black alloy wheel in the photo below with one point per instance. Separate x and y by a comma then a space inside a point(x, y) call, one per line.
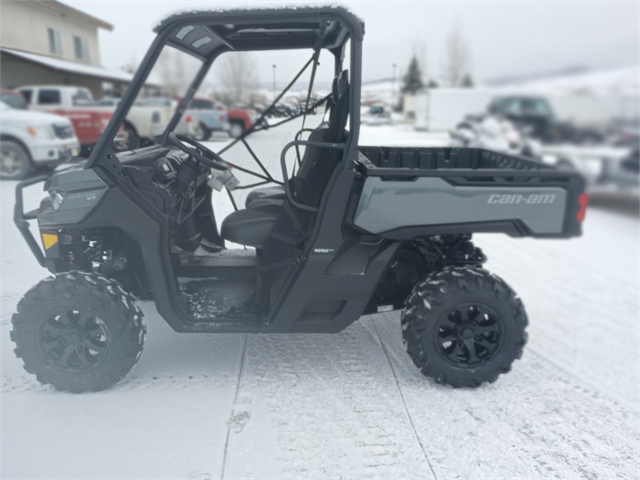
point(74, 341)
point(469, 335)
point(464, 326)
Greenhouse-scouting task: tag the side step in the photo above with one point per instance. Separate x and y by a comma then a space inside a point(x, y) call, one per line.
point(224, 264)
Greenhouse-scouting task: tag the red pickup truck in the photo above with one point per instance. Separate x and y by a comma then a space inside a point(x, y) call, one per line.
point(71, 102)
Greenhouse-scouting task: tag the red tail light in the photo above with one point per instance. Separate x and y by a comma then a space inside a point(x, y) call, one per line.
point(187, 119)
point(582, 200)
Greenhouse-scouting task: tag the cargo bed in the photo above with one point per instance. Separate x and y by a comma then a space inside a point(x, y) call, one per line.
point(410, 192)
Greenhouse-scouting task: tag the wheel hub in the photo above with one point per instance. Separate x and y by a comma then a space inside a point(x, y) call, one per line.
point(469, 335)
point(76, 336)
point(74, 341)
point(466, 332)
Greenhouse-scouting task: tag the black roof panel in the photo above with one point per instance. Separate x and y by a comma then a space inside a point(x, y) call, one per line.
point(203, 32)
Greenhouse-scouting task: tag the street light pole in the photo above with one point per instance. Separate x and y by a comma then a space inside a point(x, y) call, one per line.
point(274, 82)
point(394, 80)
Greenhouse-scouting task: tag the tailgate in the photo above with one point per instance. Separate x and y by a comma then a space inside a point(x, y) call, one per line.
point(413, 192)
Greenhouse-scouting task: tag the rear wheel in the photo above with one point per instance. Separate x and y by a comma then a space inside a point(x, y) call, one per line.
point(236, 129)
point(133, 139)
point(15, 161)
point(201, 132)
point(464, 326)
point(78, 332)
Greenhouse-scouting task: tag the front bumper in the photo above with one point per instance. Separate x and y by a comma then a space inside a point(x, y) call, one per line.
point(21, 218)
point(55, 151)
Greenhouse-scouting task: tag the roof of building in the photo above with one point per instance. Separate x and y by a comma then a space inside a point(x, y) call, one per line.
point(73, 67)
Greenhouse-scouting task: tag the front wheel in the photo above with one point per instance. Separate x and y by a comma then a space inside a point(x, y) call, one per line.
point(236, 130)
point(78, 332)
point(464, 326)
point(15, 161)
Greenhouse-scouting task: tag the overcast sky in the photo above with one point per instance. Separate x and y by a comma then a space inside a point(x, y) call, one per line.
point(504, 38)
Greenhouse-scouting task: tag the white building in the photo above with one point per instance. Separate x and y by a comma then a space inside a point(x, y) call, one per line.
point(48, 42)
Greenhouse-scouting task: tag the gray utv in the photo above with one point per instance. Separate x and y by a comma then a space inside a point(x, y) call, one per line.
point(355, 230)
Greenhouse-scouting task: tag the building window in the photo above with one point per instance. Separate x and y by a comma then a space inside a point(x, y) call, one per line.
point(81, 46)
point(55, 46)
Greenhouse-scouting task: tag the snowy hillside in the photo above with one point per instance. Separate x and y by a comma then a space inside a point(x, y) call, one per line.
point(614, 82)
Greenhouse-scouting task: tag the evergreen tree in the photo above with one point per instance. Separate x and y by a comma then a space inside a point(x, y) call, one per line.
point(467, 81)
point(412, 81)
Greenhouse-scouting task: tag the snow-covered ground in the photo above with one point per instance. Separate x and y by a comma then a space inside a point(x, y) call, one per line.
point(352, 405)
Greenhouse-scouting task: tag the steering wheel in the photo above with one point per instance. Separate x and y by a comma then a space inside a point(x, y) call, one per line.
point(211, 159)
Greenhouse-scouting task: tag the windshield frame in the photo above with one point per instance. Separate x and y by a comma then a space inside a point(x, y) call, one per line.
point(102, 154)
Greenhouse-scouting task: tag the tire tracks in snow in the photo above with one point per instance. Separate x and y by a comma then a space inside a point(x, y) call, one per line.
point(237, 420)
point(586, 383)
point(324, 406)
point(536, 422)
point(404, 403)
point(27, 383)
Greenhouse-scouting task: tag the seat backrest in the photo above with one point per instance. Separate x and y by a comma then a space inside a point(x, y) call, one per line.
point(339, 108)
point(318, 164)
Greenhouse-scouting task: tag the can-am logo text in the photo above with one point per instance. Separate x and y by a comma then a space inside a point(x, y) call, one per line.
point(532, 199)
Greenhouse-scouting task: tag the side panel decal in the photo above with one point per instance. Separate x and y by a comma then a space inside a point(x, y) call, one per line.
point(387, 205)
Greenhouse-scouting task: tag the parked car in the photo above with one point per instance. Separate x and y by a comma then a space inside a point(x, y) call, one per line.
point(281, 110)
point(32, 139)
point(75, 103)
point(599, 165)
point(189, 123)
point(213, 117)
point(13, 99)
point(495, 133)
point(144, 122)
point(378, 115)
point(536, 114)
point(240, 119)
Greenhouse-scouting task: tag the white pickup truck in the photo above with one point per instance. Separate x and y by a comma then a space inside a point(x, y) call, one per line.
point(143, 124)
point(31, 139)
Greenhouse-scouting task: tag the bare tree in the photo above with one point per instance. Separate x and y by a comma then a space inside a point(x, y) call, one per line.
point(457, 56)
point(131, 66)
point(171, 69)
point(238, 76)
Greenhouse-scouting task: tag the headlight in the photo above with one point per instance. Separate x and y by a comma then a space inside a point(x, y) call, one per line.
point(56, 199)
point(41, 131)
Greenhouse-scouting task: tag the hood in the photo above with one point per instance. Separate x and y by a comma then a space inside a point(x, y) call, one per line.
point(31, 117)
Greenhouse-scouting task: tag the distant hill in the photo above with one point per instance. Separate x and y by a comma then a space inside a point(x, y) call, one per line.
point(621, 81)
point(511, 79)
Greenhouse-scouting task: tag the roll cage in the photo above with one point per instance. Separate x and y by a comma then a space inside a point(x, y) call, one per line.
point(205, 35)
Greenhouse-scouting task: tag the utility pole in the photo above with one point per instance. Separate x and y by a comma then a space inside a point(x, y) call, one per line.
point(394, 81)
point(274, 82)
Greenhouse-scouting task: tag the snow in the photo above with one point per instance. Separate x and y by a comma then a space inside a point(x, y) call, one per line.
point(385, 91)
point(615, 82)
point(352, 405)
point(248, 6)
